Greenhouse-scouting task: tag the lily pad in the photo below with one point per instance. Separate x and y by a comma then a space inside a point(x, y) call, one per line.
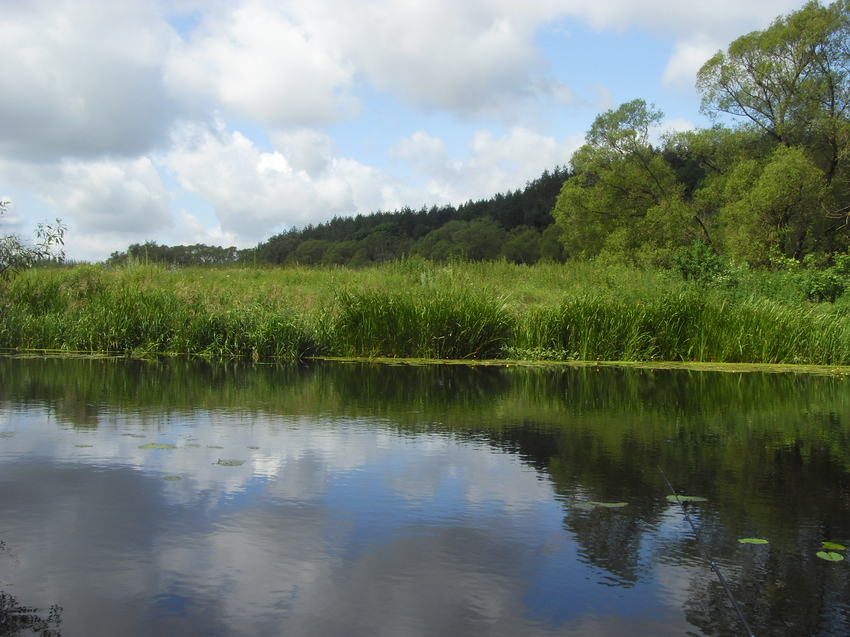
point(6, 434)
point(171, 478)
point(192, 445)
point(686, 498)
point(83, 445)
point(589, 506)
point(157, 445)
point(753, 540)
point(832, 546)
point(229, 463)
point(214, 447)
point(253, 447)
point(829, 556)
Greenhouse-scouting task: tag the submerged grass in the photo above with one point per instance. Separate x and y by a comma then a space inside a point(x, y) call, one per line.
point(419, 309)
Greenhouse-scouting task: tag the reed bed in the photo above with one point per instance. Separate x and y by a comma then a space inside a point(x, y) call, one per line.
point(415, 309)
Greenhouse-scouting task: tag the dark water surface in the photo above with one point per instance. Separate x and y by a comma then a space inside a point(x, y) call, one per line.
point(436, 500)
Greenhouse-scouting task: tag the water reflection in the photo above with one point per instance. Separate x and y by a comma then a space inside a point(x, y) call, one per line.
point(419, 500)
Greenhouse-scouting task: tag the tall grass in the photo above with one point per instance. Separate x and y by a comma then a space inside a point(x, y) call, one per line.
point(416, 308)
point(432, 324)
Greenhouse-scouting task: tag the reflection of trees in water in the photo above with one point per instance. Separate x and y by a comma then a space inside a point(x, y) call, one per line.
point(770, 451)
point(15, 619)
point(18, 620)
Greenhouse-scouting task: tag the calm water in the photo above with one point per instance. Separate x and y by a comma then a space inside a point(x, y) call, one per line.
point(355, 499)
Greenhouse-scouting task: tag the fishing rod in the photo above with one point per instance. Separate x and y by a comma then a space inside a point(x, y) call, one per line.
point(711, 561)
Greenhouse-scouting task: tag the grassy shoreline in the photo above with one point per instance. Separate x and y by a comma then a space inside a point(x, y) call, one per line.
point(416, 309)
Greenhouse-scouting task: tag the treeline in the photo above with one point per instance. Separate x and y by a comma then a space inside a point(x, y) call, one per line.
point(517, 226)
point(198, 254)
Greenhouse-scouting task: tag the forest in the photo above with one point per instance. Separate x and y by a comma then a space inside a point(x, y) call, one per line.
point(767, 185)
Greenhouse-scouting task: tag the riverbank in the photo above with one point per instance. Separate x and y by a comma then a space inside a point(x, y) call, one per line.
point(419, 309)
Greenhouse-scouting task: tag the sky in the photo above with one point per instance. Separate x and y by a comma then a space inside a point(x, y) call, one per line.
point(227, 122)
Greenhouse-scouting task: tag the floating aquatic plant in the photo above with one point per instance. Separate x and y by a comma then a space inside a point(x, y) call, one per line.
point(171, 478)
point(832, 546)
point(753, 540)
point(589, 506)
point(214, 447)
point(253, 447)
point(6, 434)
point(83, 445)
point(830, 556)
point(686, 498)
point(192, 445)
point(157, 445)
point(229, 463)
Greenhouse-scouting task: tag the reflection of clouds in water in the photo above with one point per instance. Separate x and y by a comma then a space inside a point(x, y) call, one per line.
point(330, 527)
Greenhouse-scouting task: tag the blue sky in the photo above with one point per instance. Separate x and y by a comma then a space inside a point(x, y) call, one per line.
point(225, 122)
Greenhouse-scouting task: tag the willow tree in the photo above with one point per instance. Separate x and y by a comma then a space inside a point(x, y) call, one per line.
point(625, 200)
point(789, 85)
point(17, 255)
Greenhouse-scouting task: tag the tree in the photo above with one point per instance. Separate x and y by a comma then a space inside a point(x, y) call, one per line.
point(792, 83)
point(625, 199)
point(15, 255)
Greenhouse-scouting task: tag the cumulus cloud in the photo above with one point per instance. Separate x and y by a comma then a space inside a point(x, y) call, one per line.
point(723, 19)
point(687, 58)
point(256, 192)
point(81, 79)
point(494, 163)
point(257, 62)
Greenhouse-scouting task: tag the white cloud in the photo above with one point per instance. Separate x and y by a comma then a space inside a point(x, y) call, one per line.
point(255, 193)
point(104, 203)
point(81, 78)
point(722, 19)
point(687, 58)
point(495, 164)
point(258, 63)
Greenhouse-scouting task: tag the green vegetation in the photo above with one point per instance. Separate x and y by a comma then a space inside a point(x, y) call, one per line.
point(726, 244)
point(417, 308)
point(773, 186)
point(15, 255)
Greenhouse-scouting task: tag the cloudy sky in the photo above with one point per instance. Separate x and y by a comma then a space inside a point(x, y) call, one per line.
point(189, 121)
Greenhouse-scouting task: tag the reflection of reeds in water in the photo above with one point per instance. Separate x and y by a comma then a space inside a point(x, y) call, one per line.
point(414, 309)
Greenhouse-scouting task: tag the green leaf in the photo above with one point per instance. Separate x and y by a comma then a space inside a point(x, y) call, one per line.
point(589, 506)
point(832, 546)
point(829, 556)
point(171, 478)
point(686, 498)
point(157, 445)
point(229, 463)
point(752, 540)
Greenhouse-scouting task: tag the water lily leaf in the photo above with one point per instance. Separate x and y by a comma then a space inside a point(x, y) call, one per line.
point(253, 447)
point(753, 540)
point(832, 546)
point(171, 478)
point(229, 463)
point(829, 556)
point(157, 445)
point(214, 447)
point(83, 445)
point(6, 434)
point(589, 506)
point(687, 498)
point(192, 445)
